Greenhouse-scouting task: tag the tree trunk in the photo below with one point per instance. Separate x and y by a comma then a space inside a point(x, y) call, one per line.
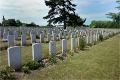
point(64, 24)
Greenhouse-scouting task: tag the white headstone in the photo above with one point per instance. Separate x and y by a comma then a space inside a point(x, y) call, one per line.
point(37, 51)
point(48, 37)
point(54, 37)
point(72, 43)
point(41, 37)
point(16, 35)
point(52, 47)
point(23, 39)
point(33, 38)
point(5, 35)
point(10, 40)
point(14, 57)
point(64, 45)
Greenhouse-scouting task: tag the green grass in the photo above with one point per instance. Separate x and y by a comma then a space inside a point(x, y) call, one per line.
point(100, 62)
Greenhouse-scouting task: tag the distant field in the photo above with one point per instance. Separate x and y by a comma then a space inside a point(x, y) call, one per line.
point(100, 62)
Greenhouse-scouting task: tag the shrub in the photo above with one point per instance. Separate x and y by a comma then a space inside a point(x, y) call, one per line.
point(60, 57)
point(47, 42)
point(6, 73)
point(82, 44)
point(42, 64)
point(89, 44)
point(52, 59)
point(94, 42)
point(32, 65)
point(70, 53)
point(37, 37)
point(3, 48)
point(100, 37)
point(25, 69)
point(20, 33)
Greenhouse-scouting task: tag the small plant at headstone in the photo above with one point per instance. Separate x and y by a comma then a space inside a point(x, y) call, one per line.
point(100, 37)
point(52, 59)
point(32, 65)
point(37, 37)
point(46, 41)
point(44, 31)
point(3, 48)
point(70, 53)
point(75, 50)
point(42, 64)
point(25, 69)
point(6, 73)
point(94, 42)
point(89, 44)
point(20, 33)
point(82, 44)
point(60, 57)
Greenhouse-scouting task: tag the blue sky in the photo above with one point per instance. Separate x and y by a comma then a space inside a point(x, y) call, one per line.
point(28, 11)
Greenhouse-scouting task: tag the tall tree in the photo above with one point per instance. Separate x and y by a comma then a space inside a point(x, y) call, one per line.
point(115, 16)
point(60, 11)
point(3, 21)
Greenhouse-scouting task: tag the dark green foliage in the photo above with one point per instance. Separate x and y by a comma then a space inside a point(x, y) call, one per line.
point(18, 23)
point(60, 57)
point(32, 65)
point(37, 37)
point(104, 24)
point(115, 16)
point(3, 48)
point(89, 44)
point(100, 37)
point(52, 59)
point(25, 69)
point(41, 64)
point(20, 33)
point(82, 44)
point(75, 20)
point(7, 73)
point(46, 41)
point(60, 11)
point(94, 42)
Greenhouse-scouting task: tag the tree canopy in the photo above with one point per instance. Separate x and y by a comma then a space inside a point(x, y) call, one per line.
point(75, 20)
point(60, 11)
point(115, 16)
point(103, 24)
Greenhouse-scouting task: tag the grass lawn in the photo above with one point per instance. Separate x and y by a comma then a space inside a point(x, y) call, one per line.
point(100, 62)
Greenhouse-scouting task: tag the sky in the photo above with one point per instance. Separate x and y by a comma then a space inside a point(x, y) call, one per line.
point(28, 11)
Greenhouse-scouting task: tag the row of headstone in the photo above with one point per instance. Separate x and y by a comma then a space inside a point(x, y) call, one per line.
point(14, 53)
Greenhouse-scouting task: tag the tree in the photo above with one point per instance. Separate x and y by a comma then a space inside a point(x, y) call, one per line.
point(3, 21)
point(75, 20)
point(60, 11)
point(115, 16)
point(12, 22)
point(18, 23)
point(0, 24)
point(33, 24)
